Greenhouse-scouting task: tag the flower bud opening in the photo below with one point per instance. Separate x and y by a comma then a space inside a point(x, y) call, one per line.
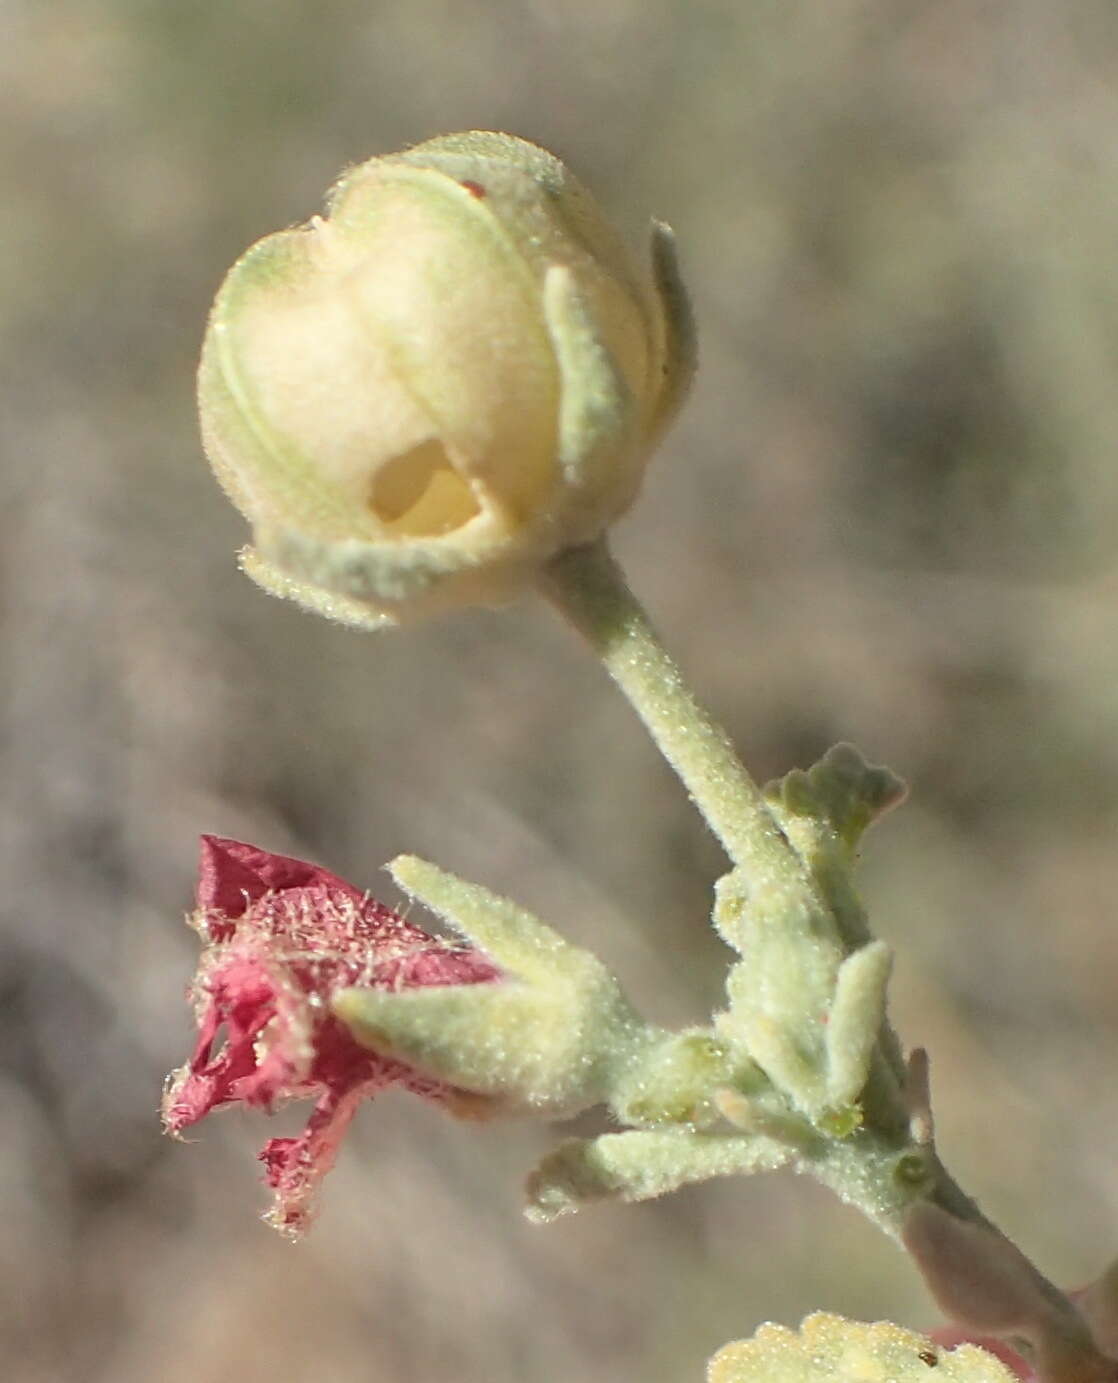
point(458, 372)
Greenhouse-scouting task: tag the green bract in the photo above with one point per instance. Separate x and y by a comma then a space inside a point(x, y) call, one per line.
point(457, 373)
point(548, 1040)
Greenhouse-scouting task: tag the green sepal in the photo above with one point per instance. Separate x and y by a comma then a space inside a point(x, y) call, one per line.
point(596, 413)
point(680, 341)
point(855, 1021)
point(545, 1039)
point(639, 1166)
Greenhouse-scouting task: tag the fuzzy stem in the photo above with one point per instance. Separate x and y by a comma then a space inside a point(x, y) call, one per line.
point(962, 1248)
point(590, 590)
point(588, 587)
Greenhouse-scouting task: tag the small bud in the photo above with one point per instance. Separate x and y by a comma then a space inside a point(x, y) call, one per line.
point(780, 993)
point(457, 373)
point(676, 1080)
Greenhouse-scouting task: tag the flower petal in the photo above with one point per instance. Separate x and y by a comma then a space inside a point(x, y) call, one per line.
point(295, 1167)
point(280, 938)
point(232, 874)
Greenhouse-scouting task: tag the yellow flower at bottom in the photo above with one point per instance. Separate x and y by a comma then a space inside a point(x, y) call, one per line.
point(457, 373)
point(829, 1349)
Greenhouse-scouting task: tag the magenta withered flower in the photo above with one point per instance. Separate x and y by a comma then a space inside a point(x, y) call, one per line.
point(281, 937)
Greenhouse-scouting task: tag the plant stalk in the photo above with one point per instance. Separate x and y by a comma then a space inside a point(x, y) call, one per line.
point(590, 590)
point(961, 1252)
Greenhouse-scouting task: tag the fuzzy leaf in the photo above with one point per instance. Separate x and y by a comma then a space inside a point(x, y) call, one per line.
point(857, 1013)
point(639, 1166)
point(841, 795)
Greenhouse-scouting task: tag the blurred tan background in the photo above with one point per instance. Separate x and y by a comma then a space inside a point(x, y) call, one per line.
point(888, 515)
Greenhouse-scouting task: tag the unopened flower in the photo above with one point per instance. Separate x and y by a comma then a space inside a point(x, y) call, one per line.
point(457, 373)
point(281, 938)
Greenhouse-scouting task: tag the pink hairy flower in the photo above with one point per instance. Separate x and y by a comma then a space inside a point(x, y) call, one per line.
point(280, 938)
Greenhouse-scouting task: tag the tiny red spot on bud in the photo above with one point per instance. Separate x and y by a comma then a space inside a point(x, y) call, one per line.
point(475, 189)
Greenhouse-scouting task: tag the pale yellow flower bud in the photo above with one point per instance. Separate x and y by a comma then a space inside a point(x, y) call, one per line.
point(457, 373)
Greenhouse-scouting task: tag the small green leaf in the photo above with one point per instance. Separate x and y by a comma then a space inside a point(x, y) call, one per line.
point(857, 1013)
point(841, 794)
point(638, 1166)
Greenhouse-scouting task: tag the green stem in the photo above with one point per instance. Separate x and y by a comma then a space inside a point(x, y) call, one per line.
point(590, 590)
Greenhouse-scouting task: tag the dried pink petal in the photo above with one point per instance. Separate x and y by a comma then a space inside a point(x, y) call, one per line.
point(280, 938)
